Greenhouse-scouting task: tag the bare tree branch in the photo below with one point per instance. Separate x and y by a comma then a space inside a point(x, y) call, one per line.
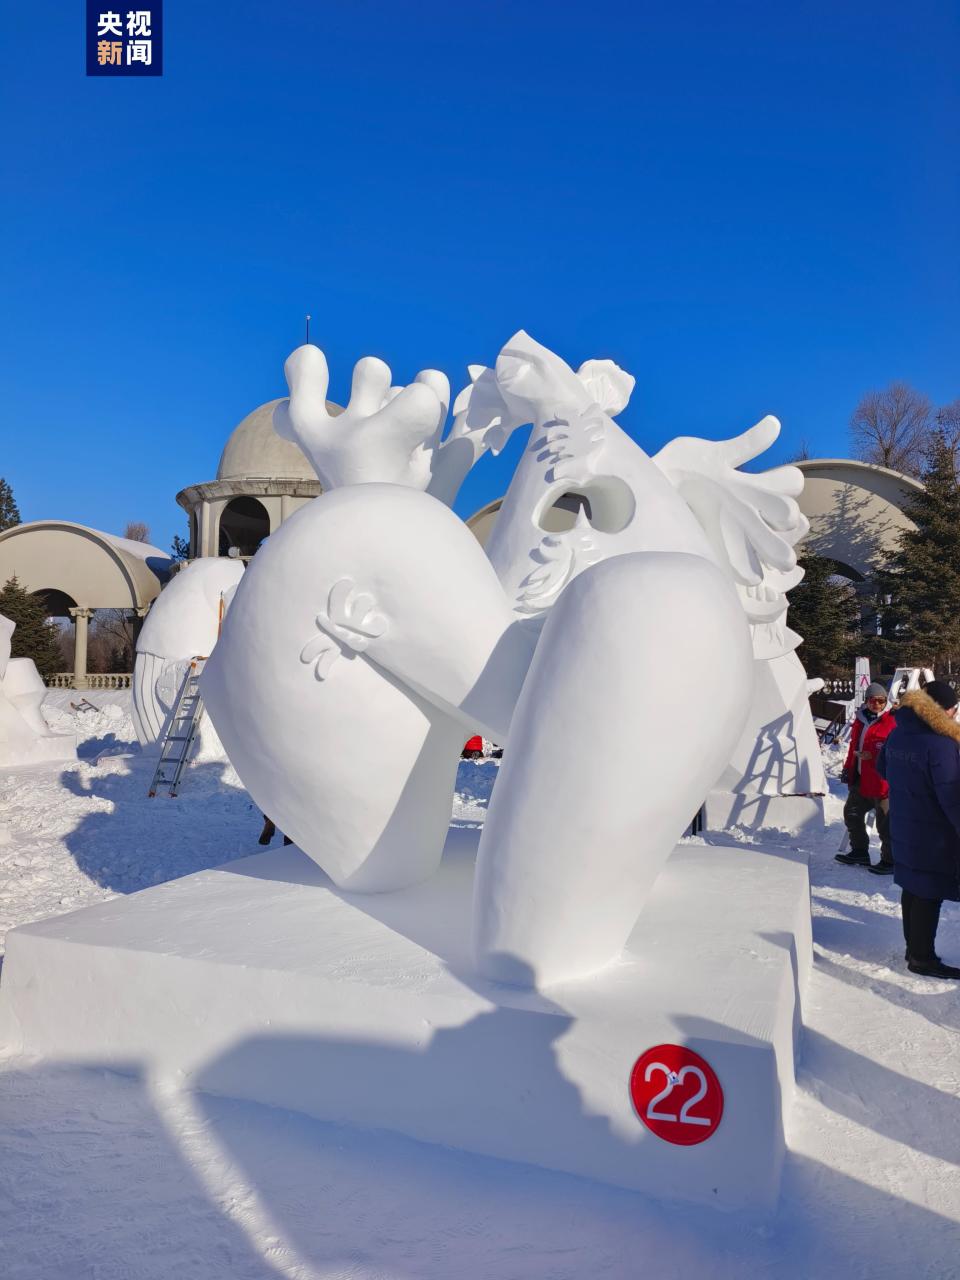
point(802, 452)
point(891, 427)
point(137, 531)
point(948, 424)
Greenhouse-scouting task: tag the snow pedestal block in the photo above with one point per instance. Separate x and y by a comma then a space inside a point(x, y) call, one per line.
point(724, 810)
point(260, 981)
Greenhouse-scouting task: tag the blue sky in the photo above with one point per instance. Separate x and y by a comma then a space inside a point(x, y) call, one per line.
point(752, 207)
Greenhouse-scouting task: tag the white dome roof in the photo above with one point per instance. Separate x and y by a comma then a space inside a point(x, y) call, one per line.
point(254, 450)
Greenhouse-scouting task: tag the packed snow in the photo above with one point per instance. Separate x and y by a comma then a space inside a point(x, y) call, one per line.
point(122, 1176)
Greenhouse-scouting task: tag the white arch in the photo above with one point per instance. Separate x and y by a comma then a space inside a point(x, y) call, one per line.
point(94, 569)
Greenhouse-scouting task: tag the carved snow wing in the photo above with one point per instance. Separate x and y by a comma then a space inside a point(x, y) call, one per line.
point(350, 621)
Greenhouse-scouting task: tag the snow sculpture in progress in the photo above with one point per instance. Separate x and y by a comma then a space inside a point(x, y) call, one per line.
point(183, 623)
point(372, 634)
point(25, 737)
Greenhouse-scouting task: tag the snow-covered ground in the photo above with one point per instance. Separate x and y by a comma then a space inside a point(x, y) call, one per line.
point(108, 1176)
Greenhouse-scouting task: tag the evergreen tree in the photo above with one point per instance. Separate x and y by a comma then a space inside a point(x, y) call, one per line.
point(9, 511)
point(920, 613)
point(180, 548)
point(35, 637)
point(825, 610)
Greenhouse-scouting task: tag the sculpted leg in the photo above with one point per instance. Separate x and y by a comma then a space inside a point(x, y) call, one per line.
point(635, 698)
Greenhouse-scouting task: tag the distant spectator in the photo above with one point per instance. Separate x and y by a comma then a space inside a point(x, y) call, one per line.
point(873, 787)
point(858, 805)
point(269, 831)
point(921, 762)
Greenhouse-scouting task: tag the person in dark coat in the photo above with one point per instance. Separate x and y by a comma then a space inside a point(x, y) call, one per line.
point(859, 805)
point(921, 763)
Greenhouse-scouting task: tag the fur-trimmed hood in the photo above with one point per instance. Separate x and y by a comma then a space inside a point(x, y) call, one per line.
point(922, 706)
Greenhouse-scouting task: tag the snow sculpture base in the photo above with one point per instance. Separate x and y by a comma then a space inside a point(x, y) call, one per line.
point(724, 810)
point(52, 748)
point(259, 981)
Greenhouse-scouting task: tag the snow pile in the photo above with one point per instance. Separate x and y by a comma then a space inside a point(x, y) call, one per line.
point(116, 1177)
point(87, 831)
point(101, 721)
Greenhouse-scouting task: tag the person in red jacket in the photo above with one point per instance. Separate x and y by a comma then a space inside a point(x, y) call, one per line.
point(858, 805)
point(875, 788)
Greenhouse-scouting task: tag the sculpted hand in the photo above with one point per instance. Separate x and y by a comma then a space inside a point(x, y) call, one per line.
point(385, 433)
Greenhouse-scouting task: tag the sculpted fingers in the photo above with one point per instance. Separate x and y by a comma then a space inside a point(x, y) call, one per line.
point(370, 387)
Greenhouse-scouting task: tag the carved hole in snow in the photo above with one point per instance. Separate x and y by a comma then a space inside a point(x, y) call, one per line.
point(606, 502)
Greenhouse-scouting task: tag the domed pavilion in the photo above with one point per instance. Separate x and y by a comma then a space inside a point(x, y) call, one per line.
point(262, 479)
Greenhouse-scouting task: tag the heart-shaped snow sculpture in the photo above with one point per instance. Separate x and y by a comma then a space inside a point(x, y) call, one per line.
point(367, 640)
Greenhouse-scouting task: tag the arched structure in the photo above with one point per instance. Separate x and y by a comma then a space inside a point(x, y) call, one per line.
point(78, 570)
point(262, 479)
point(855, 511)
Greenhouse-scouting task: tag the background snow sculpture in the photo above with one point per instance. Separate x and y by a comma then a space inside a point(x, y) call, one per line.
point(25, 737)
point(183, 623)
point(372, 634)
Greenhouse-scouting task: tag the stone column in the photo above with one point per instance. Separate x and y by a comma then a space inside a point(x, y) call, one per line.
point(212, 512)
point(138, 616)
point(80, 618)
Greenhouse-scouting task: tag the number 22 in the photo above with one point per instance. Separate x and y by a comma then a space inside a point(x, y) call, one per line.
point(672, 1082)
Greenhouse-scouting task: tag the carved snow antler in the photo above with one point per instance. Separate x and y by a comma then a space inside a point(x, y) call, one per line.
point(385, 433)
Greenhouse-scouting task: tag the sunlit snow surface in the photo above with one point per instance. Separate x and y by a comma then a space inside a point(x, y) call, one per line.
point(116, 1177)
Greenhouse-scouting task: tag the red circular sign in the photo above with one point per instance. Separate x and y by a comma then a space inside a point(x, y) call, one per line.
point(676, 1094)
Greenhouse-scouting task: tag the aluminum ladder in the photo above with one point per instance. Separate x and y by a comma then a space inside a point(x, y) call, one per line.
point(181, 732)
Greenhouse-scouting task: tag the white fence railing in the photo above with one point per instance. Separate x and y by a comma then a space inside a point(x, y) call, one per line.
point(95, 680)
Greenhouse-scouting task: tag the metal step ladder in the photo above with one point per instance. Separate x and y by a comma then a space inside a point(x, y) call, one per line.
point(181, 731)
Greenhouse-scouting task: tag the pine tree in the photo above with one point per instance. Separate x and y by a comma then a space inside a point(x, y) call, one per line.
point(920, 617)
point(825, 610)
point(35, 637)
point(9, 511)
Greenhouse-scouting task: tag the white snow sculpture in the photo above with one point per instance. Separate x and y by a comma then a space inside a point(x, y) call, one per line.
point(25, 737)
point(778, 754)
point(183, 623)
point(372, 634)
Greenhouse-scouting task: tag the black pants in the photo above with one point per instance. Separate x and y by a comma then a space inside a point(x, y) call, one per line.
point(920, 919)
point(854, 816)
